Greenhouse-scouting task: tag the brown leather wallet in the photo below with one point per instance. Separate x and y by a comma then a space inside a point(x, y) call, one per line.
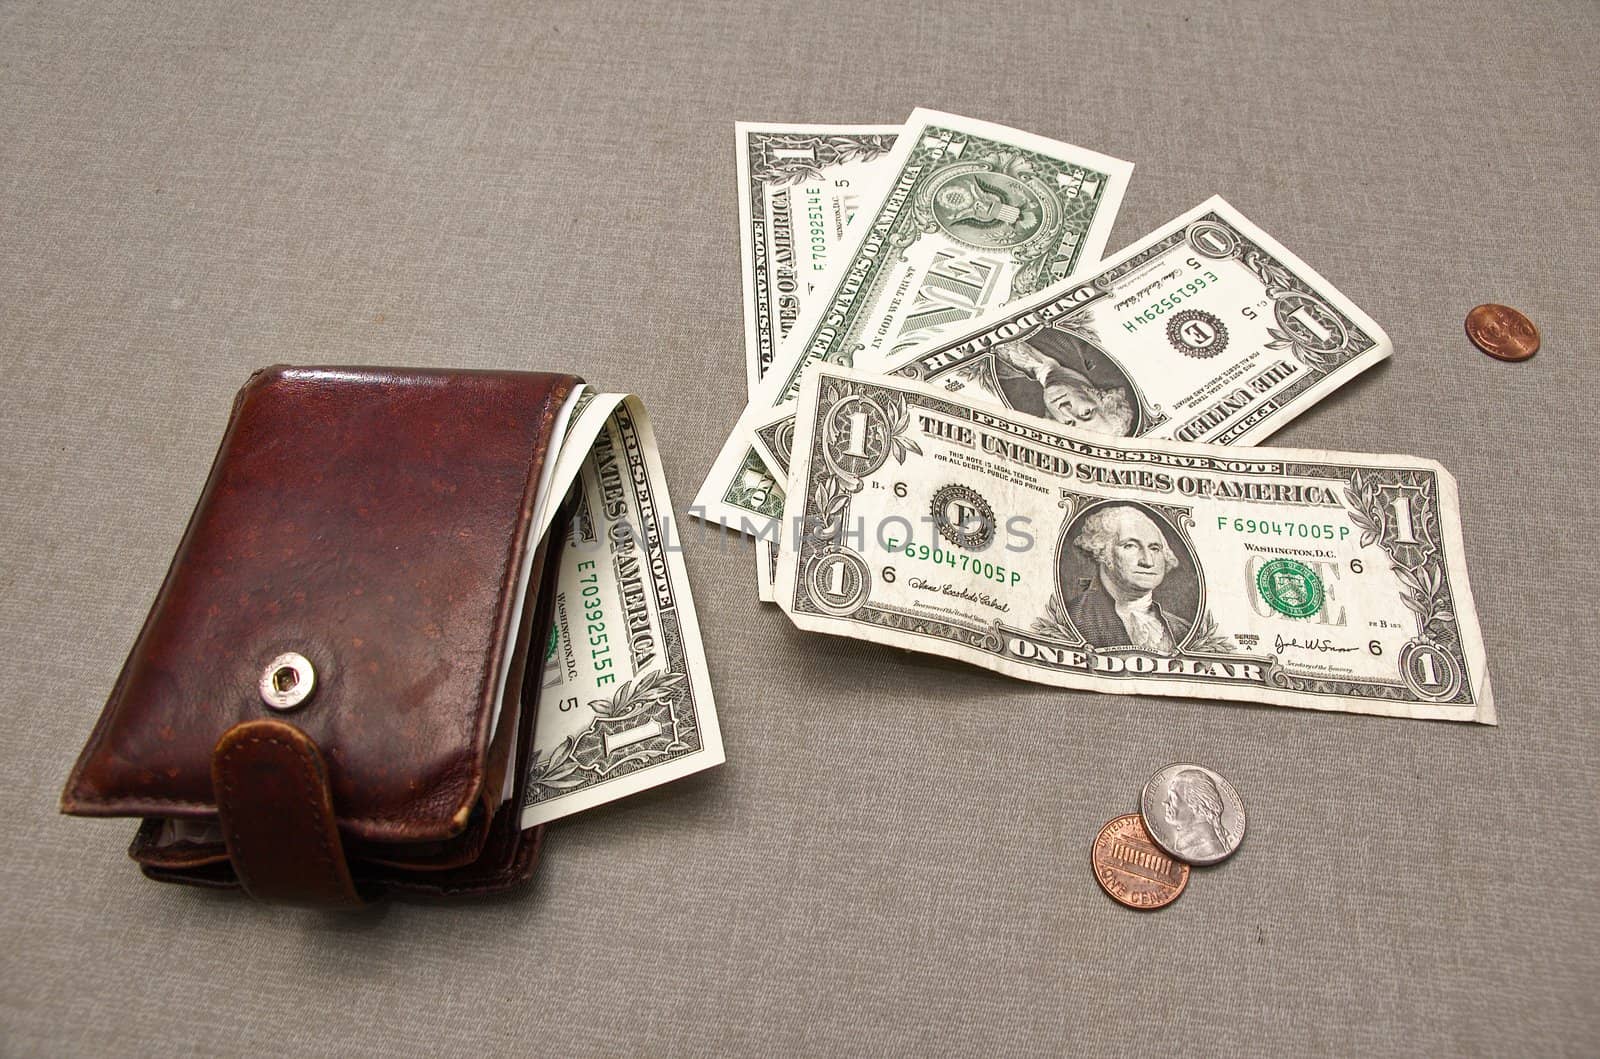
point(327, 699)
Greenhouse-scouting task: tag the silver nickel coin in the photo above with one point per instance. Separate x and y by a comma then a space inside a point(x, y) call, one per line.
point(1193, 813)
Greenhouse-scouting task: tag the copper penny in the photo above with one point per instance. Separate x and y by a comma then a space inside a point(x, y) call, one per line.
point(1502, 332)
point(1133, 869)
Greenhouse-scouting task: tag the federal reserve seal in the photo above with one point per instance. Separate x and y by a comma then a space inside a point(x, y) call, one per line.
point(1291, 588)
point(1197, 333)
point(964, 517)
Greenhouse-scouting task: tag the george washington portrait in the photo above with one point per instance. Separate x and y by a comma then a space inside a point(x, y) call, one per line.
point(1066, 378)
point(1128, 578)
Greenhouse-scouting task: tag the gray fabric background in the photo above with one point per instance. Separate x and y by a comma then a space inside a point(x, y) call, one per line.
point(895, 858)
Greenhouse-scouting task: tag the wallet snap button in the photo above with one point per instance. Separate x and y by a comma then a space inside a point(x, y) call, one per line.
point(287, 681)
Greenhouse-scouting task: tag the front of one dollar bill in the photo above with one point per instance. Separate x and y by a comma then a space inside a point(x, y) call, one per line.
point(1332, 581)
point(799, 186)
point(625, 700)
point(1206, 330)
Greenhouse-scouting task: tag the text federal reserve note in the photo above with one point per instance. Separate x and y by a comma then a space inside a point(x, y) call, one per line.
point(1207, 330)
point(1331, 581)
point(971, 216)
point(625, 702)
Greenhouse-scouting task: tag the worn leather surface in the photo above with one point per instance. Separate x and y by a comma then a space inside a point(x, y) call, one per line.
point(272, 793)
point(492, 854)
point(509, 853)
point(372, 520)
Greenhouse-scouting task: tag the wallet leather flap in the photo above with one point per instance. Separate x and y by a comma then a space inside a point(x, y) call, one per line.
point(277, 816)
point(375, 522)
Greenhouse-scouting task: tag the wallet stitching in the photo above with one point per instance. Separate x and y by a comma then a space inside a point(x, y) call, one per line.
point(309, 789)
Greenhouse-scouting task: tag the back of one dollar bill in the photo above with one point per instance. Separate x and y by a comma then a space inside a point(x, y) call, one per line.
point(1323, 580)
point(967, 216)
point(1206, 330)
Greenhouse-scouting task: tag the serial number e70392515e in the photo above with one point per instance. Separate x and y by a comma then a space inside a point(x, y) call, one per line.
point(595, 625)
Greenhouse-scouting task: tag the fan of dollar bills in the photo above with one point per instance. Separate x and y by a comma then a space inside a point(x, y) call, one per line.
point(969, 435)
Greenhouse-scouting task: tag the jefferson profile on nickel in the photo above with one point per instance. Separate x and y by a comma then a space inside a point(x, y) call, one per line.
point(1193, 808)
point(1192, 813)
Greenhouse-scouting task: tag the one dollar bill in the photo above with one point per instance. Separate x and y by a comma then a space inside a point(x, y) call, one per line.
point(970, 216)
point(625, 699)
point(799, 188)
point(1206, 330)
point(1332, 581)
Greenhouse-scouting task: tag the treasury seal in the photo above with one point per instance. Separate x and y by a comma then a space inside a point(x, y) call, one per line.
point(1291, 588)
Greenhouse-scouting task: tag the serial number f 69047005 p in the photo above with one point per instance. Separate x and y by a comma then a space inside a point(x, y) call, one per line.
point(1316, 531)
